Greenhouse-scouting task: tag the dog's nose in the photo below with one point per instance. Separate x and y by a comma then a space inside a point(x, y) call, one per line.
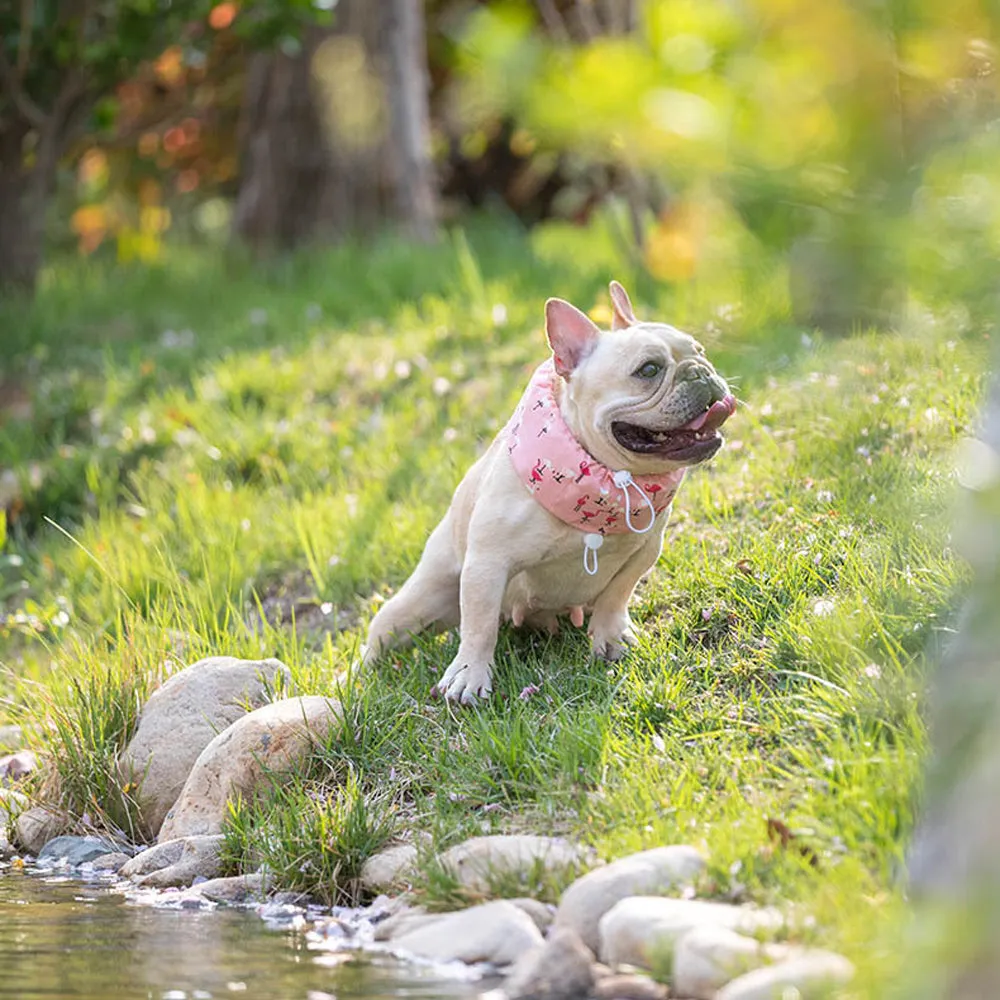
point(703, 377)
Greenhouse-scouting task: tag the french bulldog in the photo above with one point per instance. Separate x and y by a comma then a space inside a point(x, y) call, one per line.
point(565, 512)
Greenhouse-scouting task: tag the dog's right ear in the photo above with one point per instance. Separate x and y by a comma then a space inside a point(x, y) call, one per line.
point(624, 315)
point(572, 335)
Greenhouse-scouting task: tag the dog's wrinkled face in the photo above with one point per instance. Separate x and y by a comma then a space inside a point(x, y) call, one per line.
point(643, 397)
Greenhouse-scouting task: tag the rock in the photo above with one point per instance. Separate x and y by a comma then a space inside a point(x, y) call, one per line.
point(234, 890)
point(176, 862)
point(709, 956)
point(542, 913)
point(476, 862)
point(75, 851)
point(590, 897)
point(268, 740)
point(14, 766)
point(388, 868)
point(182, 717)
point(35, 827)
point(631, 987)
point(640, 929)
point(497, 932)
point(404, 921)
point(811, 974)
point(110, 862)
point(560, 969)
point(11, 738)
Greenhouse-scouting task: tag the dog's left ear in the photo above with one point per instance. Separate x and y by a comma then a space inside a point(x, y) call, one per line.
point(572, 335)
point(624, 314)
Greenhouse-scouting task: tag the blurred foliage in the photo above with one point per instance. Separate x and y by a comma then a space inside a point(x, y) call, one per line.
point(811, 120)
point(712, 128)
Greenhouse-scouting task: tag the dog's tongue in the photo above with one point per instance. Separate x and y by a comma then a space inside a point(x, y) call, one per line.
point(714, 417)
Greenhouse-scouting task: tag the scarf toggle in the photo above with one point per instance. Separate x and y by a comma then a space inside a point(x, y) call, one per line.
point(570, 483)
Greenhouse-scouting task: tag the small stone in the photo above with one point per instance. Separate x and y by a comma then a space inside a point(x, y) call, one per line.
point(497, 932)
point(75, 851)
point(590, 897)
point(15, 766)
point(709, 956)
point(110, 862)
point(542, 913)
point(182, 717)
point(476, 862)
point(35, 827)
point(560, 969)
point(269, 740)
point(234, 890)
point(388, 868)
point(640, 929)
point(405, 920)
point(619, 987)
point(176, 862)
point(813, 974)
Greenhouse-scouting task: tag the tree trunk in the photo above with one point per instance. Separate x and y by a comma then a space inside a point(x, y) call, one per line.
point(409, 87)
point(320, 160)
point(954, 861)
point(24, 195)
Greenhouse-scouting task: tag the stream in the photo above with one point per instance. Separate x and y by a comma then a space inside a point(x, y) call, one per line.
point(67, 936)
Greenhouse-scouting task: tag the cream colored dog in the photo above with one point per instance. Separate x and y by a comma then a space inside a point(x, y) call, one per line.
point(565, 512)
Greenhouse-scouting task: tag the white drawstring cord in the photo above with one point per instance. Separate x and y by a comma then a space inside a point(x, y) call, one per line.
point(623, 480)
point(592, 542)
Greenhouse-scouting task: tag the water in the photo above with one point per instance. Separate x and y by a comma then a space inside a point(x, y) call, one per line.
point(67, 939)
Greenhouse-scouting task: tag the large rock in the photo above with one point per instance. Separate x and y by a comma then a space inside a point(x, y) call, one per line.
point(476, 863)
point(710, 955)
point(814, 974)
point(36, 826)
point(560, 969)
point(641, 929)
point(181, 718)
point(270, 739)
point(498, 932)
point(387, 869)
point(75, 850)
point(176, 862)
point(590, 897)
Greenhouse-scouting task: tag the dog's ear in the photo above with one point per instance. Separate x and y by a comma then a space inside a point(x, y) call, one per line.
point(572, 335)
point(624, 314)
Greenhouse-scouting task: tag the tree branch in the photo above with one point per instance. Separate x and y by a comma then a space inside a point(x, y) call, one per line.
point(24, 104)
point(24, 38)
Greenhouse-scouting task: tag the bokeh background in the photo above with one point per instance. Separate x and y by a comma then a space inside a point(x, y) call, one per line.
point(851, 140)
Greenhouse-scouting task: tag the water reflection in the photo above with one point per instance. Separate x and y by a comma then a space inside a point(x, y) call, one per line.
point(62, 938)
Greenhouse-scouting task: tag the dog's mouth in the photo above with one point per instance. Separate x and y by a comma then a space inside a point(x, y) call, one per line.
point(696, 441)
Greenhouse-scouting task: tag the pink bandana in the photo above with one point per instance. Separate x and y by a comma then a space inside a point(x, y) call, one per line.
point(567, 481)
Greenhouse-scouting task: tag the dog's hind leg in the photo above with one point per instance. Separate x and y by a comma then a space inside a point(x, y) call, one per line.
point(428, 600)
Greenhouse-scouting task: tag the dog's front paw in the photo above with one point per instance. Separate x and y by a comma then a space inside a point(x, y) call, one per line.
point(611, 638)
point(465, 682)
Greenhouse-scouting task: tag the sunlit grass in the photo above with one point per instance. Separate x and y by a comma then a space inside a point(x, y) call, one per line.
point(250, 493)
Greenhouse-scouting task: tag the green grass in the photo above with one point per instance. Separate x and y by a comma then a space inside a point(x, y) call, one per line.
point(255, 491)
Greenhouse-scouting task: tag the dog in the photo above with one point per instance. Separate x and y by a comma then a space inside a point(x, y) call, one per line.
point(565, 512)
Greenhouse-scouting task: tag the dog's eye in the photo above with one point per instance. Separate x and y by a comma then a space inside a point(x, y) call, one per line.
point(650, 369)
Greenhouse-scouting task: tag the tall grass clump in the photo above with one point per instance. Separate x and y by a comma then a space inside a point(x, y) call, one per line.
point(308, 836)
